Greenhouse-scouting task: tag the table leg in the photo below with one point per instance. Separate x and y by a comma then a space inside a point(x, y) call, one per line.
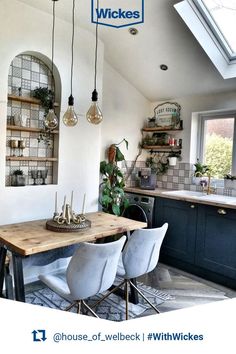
point(18, 277)
point(3, 253)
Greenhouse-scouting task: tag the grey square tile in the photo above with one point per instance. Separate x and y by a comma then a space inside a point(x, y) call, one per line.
point(16, 72)
point(26, 64)
point(25, 74)
point(35, 76)
point(26, 84)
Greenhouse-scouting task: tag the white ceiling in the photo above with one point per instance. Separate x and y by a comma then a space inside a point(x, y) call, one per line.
point(162, 39)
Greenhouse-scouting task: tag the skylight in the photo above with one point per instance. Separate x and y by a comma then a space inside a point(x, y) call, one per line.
point(220, 15)
point(213, 23)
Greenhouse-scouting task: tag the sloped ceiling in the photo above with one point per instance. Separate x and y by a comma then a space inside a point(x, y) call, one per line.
point(162, 39)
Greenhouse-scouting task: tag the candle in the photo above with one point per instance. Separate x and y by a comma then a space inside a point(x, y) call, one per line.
point(83, 208)
point(71, 201)
point(56, 203)
point(64, 208)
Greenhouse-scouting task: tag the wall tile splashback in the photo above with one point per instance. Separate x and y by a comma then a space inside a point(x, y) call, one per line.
point(178, 177)
point(26, 73)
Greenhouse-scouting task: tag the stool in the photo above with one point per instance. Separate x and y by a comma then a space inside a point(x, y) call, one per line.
point(8, 280)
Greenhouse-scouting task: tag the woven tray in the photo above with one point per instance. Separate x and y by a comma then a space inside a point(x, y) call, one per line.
point(54, 226)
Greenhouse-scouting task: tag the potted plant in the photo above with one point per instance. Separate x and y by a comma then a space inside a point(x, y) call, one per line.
point(229, 181)
point(112, 195)
point(173, 157)
point(45, 96)
point(200, 172)
point(18, 178)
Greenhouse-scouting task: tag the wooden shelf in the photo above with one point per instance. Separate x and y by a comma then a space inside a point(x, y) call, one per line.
point(31, 158)
point(161, 129)
point(25, 99)
point(161, 148)
point(28, 129)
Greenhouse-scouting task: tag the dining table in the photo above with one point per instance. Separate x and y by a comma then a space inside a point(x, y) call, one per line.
point(24, 239)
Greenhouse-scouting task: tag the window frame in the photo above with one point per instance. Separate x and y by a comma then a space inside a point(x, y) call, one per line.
point(215, 29)
point(197, 24)
point(201, 140)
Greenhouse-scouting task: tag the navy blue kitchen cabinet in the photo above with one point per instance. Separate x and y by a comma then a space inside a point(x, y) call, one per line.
point(216, 240)
point(180, 239)
point(201, 239)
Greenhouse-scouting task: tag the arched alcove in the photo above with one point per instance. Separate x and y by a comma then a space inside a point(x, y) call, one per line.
point(29, 148)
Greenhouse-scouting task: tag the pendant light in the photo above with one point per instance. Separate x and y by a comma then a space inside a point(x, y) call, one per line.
point(70, 118)
point(51, 121)
point(94, 114)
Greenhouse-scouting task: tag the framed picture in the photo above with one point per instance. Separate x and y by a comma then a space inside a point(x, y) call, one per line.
point(168, 115)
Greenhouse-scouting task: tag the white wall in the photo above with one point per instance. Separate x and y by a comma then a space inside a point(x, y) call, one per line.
point(125, 110)
point(196, 104)
point(24, 28)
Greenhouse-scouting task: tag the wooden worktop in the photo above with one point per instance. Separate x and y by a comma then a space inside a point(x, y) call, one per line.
point(32, 237)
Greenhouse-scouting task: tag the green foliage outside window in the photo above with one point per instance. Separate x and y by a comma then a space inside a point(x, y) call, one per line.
point(218, 155)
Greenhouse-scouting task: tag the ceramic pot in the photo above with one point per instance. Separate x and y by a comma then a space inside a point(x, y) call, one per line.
point(172, 161)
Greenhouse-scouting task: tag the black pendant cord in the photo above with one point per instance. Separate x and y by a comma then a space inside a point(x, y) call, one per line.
point(72, 48)
point(96, 51)
point(53, 36)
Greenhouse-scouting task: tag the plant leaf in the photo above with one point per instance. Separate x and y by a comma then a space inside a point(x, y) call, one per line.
point(116, 209)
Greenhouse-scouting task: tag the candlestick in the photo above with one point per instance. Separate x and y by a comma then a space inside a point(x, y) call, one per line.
point(56, 203)
point(71, 201)
point(83, 208)
point(64, 208)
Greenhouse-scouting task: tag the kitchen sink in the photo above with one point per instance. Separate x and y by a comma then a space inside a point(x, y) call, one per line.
point(203, 196)
point(183, 193)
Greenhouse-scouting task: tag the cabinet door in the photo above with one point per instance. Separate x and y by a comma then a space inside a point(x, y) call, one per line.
point(179, 241)
point(216, 240)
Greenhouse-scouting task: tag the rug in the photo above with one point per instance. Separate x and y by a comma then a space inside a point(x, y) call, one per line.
point(113, 308)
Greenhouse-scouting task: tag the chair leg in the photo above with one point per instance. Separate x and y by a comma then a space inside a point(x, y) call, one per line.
point(89, 309)
point(70, 306)
point(108, 294)
point(127, 299)
point(78, 307)
point(144, 297)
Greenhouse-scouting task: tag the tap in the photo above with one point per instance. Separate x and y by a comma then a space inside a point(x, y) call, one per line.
point(206, 185)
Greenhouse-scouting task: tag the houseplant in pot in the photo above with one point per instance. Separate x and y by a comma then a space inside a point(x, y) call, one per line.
point(18, 178)
point(229, 181)
point(173, 157)
point(112, 196)
point(201, 171)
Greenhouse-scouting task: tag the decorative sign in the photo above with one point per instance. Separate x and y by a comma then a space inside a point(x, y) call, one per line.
point(168, 115)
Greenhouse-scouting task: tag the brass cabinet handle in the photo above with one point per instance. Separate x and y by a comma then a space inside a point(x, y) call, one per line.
point(192, 206)
point(221, 211)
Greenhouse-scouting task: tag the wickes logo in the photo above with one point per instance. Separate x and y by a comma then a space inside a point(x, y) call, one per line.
point(128, 12)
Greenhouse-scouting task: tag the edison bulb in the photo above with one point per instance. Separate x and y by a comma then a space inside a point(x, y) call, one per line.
point(51, 121)
point(70, 118)
point(94, 114)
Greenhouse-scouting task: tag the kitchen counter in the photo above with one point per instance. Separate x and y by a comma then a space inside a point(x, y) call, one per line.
point(189, 196)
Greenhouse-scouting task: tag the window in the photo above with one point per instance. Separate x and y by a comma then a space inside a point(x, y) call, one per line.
point(220, 15)
point(213, 23)
point(218, 143)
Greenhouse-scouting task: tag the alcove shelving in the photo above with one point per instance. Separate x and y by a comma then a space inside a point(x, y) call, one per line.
point(28, 146)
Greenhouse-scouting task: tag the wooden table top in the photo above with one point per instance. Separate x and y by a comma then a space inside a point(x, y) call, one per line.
point(32, 237)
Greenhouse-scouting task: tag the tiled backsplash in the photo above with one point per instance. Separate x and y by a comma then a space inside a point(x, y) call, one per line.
point(178, 177)
point(26, 73)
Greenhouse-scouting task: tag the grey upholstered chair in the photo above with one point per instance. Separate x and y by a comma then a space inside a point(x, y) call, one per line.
point(91, 270)
point(140, 256)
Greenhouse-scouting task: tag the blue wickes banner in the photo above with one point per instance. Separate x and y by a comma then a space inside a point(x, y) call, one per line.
point(118, 13)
